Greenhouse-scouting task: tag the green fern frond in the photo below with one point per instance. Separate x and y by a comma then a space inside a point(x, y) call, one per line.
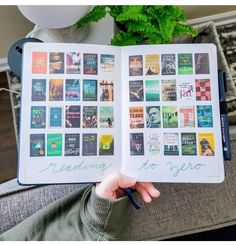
point(132, 13)
point(97, 13)
point(144, 27)
point(124, 39)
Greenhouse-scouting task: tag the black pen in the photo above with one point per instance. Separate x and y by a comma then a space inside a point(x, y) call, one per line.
point(224, 117)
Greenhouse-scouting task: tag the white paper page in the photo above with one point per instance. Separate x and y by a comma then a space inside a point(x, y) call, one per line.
point(168, 122)
point(58, 102)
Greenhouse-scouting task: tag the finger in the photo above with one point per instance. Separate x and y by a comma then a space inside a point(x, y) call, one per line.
point(126, 181)
point(151, 189)
point(145, 195)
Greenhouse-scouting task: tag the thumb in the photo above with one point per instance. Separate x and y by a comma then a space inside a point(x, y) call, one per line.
point(126, 181)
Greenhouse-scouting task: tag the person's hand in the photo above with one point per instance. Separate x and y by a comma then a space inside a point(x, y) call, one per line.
point(111, 187)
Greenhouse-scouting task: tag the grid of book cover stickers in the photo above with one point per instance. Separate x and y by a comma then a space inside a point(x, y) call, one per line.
point(170, 99)
point(66, 98)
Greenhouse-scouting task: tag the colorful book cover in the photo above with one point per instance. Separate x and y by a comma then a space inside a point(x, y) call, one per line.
point(107, 63)
point(56, 63)
point(106, 90)
point(136, 90)
point(153, 144)
point(72, 145)
point(39, 62)
point(89, 90)
point(136, 117)
point(89, 145)
point(152, 90)
point(72, 116)
point(106, 144)
point(170, 116)
point(171, 144)
point(72, 89)
point(73, 63)
point(202, 63)
point(54, 145)
point(153, 117)
point(136, 65)
point(38, 116)
point(168, 64)
point(38, 90)
point(55, 116)
point(204, 116)
point(185, 64)
point(189, 144)
point(186, 91)
point(90, 117)
point(152, 64)
point(169, 90)
point(203, 89)
point(187, 117)
point(106, 117)
point(136, 144)
point(90, 64)
point(37, 145)
point(56, 90)
point(206, 144)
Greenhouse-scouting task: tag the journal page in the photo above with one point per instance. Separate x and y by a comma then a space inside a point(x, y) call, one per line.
point(70, 113)
point(171, 118)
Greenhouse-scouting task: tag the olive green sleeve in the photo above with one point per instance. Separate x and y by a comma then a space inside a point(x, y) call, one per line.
point(79, 216)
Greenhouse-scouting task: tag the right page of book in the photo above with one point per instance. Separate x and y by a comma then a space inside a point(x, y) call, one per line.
point(171, 116)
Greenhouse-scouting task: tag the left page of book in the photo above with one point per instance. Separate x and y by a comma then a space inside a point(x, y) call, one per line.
point(69, 130)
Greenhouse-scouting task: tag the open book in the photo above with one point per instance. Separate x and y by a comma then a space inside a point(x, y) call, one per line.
point(149, 111)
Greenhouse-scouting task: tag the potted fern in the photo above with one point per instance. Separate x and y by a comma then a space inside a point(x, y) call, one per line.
point(142, 24)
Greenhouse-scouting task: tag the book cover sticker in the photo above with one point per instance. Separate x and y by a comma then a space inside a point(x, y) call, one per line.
point(73, 63)
point(136, 117)
point(188, 144)
point(185, 64)
point(106, 90)
point(90, 64)
point(206, 144)
point(38, 116)
point(89, 145)
point(136, 65)
point(136, 144)
point(153, 117)
point(72, 90)
point(136, 91)
point(202, 63)
point(168, 64)
point(56, 63)
point(37, 145)
point(56, 90)
point(169, 90)
point(186, 91)
point(170, 116)
point(89, 90)
point(107, 63)
point(55, 116)
point(72, 145)
point(106, 144)
point(72, 116)
point(171, 144)
point(90, 117)
point(152, 90)
point(152, 64)
point(39, 62)
point(187, 118)
point(204, 116)
point(153, 144)
point(203, 89)
point(54, 145)
point(38, 90)
point(106, 117)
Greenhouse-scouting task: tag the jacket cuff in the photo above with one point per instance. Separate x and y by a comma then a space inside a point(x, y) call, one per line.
point(109, 216)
